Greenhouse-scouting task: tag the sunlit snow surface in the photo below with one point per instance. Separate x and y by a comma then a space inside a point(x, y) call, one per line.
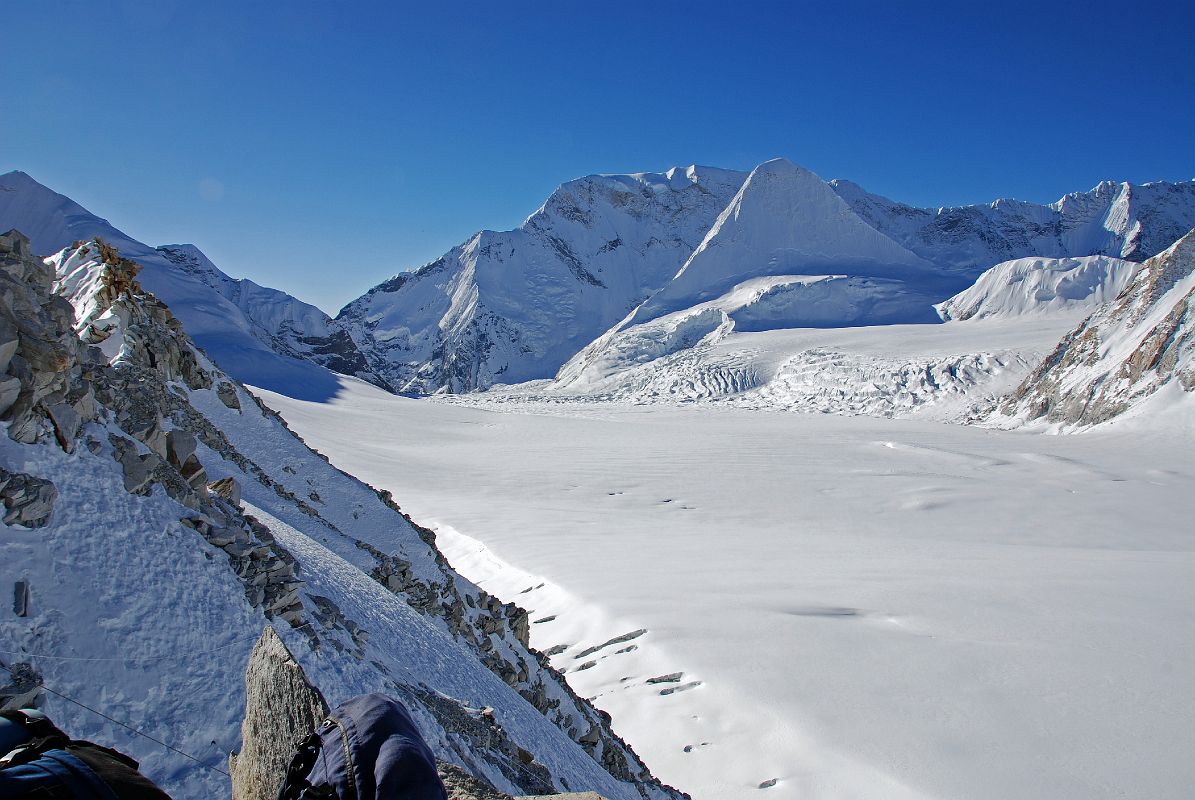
point(858, 607)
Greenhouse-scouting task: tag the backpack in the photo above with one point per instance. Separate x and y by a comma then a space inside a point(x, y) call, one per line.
point(40, 762)
point(367, 749)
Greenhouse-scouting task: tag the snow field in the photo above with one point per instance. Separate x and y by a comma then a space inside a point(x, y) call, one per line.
point(872, 607)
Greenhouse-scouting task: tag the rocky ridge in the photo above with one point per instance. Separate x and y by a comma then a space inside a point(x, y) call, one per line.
point(1125, 353)
point(94, 360)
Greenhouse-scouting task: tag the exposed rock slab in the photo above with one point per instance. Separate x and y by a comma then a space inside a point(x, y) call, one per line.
point(281, 708)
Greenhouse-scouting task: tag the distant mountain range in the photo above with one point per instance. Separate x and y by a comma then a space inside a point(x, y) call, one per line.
point(613, 267)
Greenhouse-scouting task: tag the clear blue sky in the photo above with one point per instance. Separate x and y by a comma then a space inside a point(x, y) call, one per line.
point(321, 147)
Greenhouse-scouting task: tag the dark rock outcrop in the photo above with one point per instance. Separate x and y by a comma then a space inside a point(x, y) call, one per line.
point(47, 389)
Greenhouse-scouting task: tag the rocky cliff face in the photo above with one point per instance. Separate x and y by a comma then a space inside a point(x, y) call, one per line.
point(1130, 349)
point(175, 515)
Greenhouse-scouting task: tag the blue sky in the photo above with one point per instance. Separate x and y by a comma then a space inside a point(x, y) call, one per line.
point(321, 147)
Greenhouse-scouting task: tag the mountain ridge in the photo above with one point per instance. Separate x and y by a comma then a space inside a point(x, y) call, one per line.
point(518, 305)
point(1114, 218)
point(176, 515)
point(473, 341)
point(269, 342)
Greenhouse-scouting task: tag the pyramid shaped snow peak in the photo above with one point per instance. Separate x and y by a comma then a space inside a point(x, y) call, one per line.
point(785, 220)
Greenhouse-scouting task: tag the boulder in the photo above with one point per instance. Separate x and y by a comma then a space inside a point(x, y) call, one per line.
point(194, 473)
point(66, 422)
point(281, 708)
point(138, 469)
point(28, 501)
point(180, 446)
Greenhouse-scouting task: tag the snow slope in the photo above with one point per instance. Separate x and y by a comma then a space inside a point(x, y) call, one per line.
point(785, 220)
point(150, 582)
point(851, 607)
point(1123, 220)
point(759, 304)
point(1139, 345)
point(1040, 286)
point(515, 305)
point(255, 333)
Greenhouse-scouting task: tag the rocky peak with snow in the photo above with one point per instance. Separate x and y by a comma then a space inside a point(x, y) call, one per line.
point(157, 517)
point(1130, 352)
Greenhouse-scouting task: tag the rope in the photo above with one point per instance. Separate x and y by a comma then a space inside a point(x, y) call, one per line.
point(146, 659)
point(43, 685)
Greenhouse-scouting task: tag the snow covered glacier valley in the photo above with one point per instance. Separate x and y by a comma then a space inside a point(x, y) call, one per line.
point(821, 606)
point(805, 605)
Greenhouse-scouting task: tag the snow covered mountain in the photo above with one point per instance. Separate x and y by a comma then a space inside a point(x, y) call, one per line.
point(1136, 349)
point(1040, 286)
point(784, 220)
point(176, 516)
point(1125, 220)
point(259, 335)
point(787, 252)
point(506, 307)
point(515, 306)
